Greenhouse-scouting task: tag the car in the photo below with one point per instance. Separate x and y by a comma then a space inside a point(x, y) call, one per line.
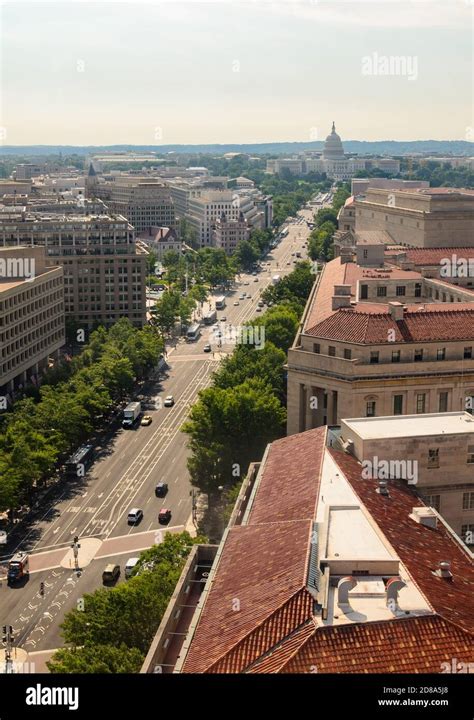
point(261, 303)
point(242, 296)
point(292, 254)
point(223, 318)
point(255, 279)
point(161, 489)
point(111, 573)
point(134, 516)
point(130, 565)
point(254, 272)
point(288, 263)
point(246, 282)
point(146, 420)
point(169, 401)
point(236, 302)
point(164, 516)
point(207, 348)
point(259, 309)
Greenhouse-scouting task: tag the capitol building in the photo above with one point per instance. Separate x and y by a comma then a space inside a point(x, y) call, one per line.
point(333, 161)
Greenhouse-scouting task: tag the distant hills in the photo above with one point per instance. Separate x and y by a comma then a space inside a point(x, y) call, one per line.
point(381, 147)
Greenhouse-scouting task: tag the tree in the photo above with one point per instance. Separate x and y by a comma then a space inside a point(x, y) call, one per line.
point(246, 254)
point(97, 659)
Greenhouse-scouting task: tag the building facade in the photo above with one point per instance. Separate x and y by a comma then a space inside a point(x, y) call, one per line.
point(31, 315)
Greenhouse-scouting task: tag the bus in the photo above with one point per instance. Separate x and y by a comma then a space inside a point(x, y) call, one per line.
point(220, 302)
point(193, 332)
point(77, 463)
point(210, 317)
point(284, 232)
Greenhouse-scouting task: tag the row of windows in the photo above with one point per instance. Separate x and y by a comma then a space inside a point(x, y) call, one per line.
point(32, 351)
point(25, 341)
point(23, 327)
point(421, 404)
point(396, 357)
point(54, 299)
point(30, 294)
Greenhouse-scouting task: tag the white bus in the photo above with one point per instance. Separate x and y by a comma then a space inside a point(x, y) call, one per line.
point(193, 332)
point(220, 302)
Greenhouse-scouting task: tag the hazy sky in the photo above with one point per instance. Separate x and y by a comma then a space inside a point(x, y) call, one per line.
point(166, 71)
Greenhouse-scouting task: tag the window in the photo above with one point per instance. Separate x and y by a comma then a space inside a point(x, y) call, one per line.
point(400, 290)
point(433, 501)
point(382, 291)
point(332, 351)
point(443, 402)
point(316, 348)
point(441, 354)
point(468, 501)
point(470, 454)
point(467, 534)
point(366, 253)
point(417, 289)
point(418, 355)
point(467, 353)
point(398, 404)
point(395, 356)
point(347, 354)
point(433, 457)
point(374, 357)
point(364, 292)
point(370, 412)
point(420, 403)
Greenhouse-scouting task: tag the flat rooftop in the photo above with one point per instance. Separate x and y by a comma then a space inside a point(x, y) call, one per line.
point(400, 426)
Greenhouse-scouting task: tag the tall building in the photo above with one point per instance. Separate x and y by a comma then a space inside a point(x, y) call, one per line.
point(339, 575)
point(204, 210)
point(145, 202)
point(104, 268)
point(380, 340)
point(31, 315)
point(227, 234)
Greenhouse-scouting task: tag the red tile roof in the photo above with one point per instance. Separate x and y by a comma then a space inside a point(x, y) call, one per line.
point(420, 548)
point(429, 324)
point(412, 645)
point(278, 499)
point(258, 615)
point(433, 256)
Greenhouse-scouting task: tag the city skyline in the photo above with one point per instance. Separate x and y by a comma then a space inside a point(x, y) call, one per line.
point(160, 73)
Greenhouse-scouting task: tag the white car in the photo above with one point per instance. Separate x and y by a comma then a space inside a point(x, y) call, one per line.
point(169, 401)
point(134, 516)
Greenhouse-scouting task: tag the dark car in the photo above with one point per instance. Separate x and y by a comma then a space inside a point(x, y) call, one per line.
point(161, 489)
point(164, 516)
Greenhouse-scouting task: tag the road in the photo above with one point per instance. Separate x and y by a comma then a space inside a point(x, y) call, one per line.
point(127, 468)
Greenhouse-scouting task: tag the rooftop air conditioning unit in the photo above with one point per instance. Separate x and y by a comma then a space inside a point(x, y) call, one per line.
point(424, 516)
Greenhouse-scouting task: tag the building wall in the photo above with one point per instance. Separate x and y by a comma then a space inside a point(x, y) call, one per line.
point(31, 319)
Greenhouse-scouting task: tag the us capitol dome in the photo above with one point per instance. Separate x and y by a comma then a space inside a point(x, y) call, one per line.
point(333, 149)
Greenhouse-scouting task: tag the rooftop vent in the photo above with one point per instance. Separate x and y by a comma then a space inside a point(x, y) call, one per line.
point(345, 584)
point(396, 310)
point(383, 488)
point(424, 516)
point(444, 569)
point(393, 587)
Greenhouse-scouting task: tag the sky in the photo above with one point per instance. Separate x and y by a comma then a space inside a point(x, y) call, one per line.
point(234, 71)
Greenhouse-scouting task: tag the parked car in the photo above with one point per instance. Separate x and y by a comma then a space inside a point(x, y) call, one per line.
point(161, 489)
point(223, 318)
point(207, 348)
point(146, 420)
point(236, 302)
point(111, 573)
point(134, 516)
point(130, 565)
point(164, 516)
point(169, 401)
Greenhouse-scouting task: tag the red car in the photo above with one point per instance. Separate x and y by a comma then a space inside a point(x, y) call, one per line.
point(164, 516)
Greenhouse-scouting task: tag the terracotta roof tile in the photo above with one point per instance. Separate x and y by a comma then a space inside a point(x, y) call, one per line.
point(427, 324)
point(433, 256)
point(414, 645)
point(289, 484)
point(260, 570)
point(280, 654)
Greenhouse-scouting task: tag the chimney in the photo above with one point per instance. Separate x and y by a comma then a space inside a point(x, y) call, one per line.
point(396, 311)
point(344, 585)
point(341, 297)
point(393, 587)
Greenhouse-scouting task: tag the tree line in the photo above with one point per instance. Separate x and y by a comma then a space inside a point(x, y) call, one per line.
point(74, 399)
